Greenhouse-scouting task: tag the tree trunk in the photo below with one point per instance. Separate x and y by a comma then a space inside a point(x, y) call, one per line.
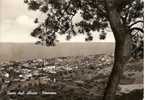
point(114, 79)
point(121, 48)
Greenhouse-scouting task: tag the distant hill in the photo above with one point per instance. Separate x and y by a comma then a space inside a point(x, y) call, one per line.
point(23, 51)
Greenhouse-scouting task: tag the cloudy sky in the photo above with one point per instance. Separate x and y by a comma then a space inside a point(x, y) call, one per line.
point(16, 23)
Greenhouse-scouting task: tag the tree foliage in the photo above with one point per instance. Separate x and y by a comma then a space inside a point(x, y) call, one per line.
point(60, 14)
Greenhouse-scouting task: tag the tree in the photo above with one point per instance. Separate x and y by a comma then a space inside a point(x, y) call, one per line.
point(123, 17)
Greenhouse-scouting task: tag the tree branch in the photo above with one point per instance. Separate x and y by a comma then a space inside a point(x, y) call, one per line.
point(137, 28)
point(139, 21)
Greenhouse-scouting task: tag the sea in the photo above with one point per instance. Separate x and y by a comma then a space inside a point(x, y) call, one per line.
point(26, 51)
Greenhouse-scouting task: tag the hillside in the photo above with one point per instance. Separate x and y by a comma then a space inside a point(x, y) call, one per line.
point(71, 78)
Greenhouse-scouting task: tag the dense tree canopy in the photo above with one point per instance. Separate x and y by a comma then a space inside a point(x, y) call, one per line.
point(60, 14)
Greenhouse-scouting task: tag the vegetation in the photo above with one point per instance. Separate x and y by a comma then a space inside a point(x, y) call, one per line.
point(124, 18)
point(71, 78)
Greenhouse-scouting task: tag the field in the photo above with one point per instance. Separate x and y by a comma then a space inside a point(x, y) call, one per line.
point(69, 77)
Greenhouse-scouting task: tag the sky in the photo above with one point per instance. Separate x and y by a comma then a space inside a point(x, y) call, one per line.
point(16, 24)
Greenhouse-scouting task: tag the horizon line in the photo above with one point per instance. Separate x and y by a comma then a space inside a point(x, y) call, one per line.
point(67, 42)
